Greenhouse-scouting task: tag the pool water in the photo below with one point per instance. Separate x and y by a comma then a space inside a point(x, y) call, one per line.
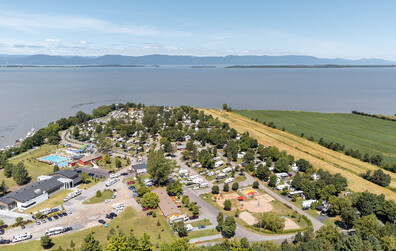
point(54, 159)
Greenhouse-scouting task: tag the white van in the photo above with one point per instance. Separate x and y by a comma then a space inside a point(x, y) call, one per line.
point(229, 180)
point(203, 185)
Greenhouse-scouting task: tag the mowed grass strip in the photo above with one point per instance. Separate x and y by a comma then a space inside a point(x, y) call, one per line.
point(368, 135)
point(319, 156)
point(128, 219)
point(106, 195)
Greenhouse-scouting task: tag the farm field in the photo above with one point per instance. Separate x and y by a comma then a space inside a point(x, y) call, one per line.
point(319, 156)
point(368, 135)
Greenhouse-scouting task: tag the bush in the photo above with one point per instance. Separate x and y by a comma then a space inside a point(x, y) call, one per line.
point(226, 188)
point(215, 190)
point(235, 186)
point(271, 222)
point(98, 194)
point(256, 185)
point(46, 242)
point(227, 205)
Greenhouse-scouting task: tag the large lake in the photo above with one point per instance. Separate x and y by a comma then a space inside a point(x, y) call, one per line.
point(33, 97)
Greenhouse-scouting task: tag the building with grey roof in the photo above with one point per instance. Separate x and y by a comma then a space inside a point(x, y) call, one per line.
point(39, 191)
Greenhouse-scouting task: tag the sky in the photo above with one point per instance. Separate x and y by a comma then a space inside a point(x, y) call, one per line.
point(331, 29)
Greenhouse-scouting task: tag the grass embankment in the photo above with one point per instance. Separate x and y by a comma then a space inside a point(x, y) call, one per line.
point(129, 218)
point(34, 167)
point(106, 195)
point(204, 222)
point(319, 156)
point(53, 201)
point(366, 134)
point(202, 233)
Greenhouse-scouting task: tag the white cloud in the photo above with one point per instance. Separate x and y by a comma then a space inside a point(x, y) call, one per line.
point(83, 42)
point(17, 21)
point(52, 40)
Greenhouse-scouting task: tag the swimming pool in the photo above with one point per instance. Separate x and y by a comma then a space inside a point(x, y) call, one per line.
point(54, 159)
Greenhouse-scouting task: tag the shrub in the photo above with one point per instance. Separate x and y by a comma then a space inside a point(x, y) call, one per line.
point(235, 186)
point(98, 194)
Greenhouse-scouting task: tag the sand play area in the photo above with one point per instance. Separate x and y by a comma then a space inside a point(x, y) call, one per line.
point(248, 218)
point(289, 224)
point(259, 204)
point(220, 200)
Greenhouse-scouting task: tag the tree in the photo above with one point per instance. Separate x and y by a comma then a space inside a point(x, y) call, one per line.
point(76, 132)
point(349, 215)
point(106, 159)
point(229, 226)
point(338, 204)
point(227, 205)
point(303, 165)
point(195, 210)
point(117, 242)
point(84, 178)
point(296, 183)
point(367, 225)
point(378, 177)
point(282, 165)
point(150, 200)
point(98, 194)
point(146, 243)
point(256, 184)
point(46, 242)
point(181, 229)
point(56, 168)
point(3, 187)
point(353, 243)
point(326, 192)
point(271, 222)
point(215, 190)
point(220, 220)
point(18, 220)
point(158, 167)
point(235, 186)
point(237, 212)
point(90, 244)
point(388, 210)
point(118, 163)
point(263, 172)
point(272, 181)
point(174, 189)
point(329, 232)
point(8, 168)
point(226, 187)
point(225, 107)
point(20, 174)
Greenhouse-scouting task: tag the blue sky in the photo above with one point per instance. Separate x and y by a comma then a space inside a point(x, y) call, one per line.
point(348, 29)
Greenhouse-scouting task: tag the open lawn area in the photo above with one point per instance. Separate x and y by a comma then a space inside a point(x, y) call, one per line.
point(201, 233)
point(34, 167)
point(318, 156)
point(91, 182)
point(53, 201)
point(111, 166)
point(106, 194)
point(128, 219)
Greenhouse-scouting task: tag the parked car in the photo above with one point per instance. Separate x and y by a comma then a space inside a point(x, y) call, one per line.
point(201, 226)
point(60, 215)
point(101, 221)
point(108, 216)
point(2, 231)
point(64, 214)
point(69, 211)
point(130, 182)
point(38, 222)
point(113, 214)
point(49, 219)
point(43, 221)
point(110, 171)
point(145, 208)
point(23, 226)
point(193, 217)
point(149, 213)
point(56, 217)
point(4, 241)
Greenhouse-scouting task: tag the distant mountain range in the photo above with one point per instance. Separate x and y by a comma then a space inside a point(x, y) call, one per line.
point(47, 60)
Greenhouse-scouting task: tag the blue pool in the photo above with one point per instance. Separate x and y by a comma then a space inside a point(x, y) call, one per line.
point(54, 159)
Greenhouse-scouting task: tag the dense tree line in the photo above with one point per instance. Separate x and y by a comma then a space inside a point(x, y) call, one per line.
point(373, 115)
point(378, 177)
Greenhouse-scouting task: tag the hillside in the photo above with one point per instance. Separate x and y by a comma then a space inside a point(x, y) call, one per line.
point(366, 134)
point(319, 156)
point(49, 60)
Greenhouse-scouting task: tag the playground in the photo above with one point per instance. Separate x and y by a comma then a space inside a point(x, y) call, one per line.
point(259, 204)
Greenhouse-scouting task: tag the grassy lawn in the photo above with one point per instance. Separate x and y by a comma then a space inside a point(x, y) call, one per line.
point(204, 222)
point(106, 194)
point(239, 178)
point(53, 201)
point(111, 166)
point(128, 219)
point(318, 156)
point(34, 167)
point(202, 233)
point(91, 182)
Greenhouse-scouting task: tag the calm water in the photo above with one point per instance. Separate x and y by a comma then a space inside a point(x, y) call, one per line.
point(33, 97)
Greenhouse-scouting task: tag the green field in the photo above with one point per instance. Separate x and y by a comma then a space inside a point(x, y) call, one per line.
point(106, 195)
point(368, 135)
point(127, 220)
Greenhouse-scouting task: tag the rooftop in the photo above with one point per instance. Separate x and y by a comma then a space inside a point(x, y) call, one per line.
point(166, 204)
